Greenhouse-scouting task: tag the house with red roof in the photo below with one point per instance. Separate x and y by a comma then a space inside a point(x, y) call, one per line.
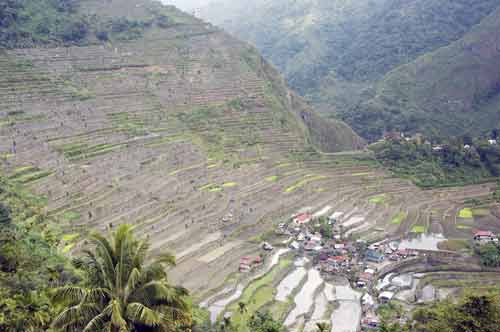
point(364, 279)
point(338, 261)
point(248, 262)
point(485, 237)
point(302, 218)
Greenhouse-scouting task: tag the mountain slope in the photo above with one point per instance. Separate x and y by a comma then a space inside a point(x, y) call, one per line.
point(336, 52)
point(452, 91)
point(171, 129)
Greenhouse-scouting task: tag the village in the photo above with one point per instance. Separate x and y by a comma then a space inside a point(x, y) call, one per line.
point(320, 238)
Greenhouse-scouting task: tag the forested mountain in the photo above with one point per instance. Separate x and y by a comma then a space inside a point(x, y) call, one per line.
point(340, 53)
point(27, 23)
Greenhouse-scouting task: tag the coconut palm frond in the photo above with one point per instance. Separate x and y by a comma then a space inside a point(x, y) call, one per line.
point(75, 316)
point(104, 253)
point(117, 318)
point(68, 294)
point(97, 324)
point(133, 281)
point(67, 317)
point(122, 234)
point(166, 259)
point(138, 312)
point(98, 295)
point(141, 253)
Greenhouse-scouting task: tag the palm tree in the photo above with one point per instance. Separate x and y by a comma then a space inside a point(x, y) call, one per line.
point(323, 327)
point(121, 292)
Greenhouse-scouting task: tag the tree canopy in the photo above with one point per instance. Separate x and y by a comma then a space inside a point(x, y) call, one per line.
point(122, 291)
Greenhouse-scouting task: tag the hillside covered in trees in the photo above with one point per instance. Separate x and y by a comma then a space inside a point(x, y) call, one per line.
point(27, 23)
point(387, 64)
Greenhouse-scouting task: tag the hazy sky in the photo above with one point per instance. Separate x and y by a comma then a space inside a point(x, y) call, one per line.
point(186, 4)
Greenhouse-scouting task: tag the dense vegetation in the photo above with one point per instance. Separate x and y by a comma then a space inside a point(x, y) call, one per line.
point(28, 23)
point(260, 321)
point(381, 65)
point(489, 254)
point(478, 313)
point(111, 287)
point(29, 262)
point(448, 164)
point(472, 313)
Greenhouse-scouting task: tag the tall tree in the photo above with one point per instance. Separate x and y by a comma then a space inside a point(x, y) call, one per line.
point(122, 292)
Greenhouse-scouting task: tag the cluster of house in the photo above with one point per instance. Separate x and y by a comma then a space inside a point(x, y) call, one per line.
point(333, 255)
point(420, 139)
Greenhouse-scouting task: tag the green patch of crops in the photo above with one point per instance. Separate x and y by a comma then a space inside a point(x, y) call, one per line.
point(26, 174)
point(307, 179)
point(466, 213)
point(379, 199)
point(464, 227)
point(70, 237)
point(70, 216)
point(80, 151)
point(480, 212)
point(418, 229)
point(68, 248)
point(272, 178)
point(211, 187)
point(397, 219)
point(362, 174)
point(256, 295)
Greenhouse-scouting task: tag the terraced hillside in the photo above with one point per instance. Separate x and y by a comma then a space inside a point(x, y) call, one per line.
point(189, 135)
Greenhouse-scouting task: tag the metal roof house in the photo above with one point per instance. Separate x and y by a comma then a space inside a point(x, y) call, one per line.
point(374, 256)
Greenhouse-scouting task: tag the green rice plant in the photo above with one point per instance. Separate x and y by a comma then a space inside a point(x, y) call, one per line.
point(70, 216)
point(418, 229)
point(307, 179)
point(379, 199)
point(466, 213)
point(397, 219)
point(464, 227)
point(70, 237)
point(480, 212)
point(258, 293)
point(272, 178)
point(67, 248)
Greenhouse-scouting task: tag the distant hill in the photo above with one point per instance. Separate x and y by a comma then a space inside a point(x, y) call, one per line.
point(454, 90)
point(338, 53)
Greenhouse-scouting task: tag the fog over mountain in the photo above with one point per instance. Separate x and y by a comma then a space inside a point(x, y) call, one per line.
point(187, 5)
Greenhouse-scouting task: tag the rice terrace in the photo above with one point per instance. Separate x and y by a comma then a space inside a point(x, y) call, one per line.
point(190, 136)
